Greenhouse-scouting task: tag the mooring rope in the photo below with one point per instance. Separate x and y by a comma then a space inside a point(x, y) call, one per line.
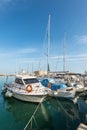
point(33, 114)
point(62, 107)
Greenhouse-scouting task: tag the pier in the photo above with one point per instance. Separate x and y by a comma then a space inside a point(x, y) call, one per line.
point(7, 74)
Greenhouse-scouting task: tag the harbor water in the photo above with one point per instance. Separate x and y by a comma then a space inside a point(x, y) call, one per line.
point(52, 114)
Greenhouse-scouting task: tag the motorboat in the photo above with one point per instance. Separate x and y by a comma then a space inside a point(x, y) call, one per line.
point(78, 85)
point(76, 82)
point(26, 88)
point(59, 89)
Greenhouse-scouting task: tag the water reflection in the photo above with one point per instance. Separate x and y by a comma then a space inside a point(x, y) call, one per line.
point(52, 114)
point(82, 107)
point(20, 110)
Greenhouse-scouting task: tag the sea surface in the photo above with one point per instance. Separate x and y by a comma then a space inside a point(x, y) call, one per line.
point(52, 114)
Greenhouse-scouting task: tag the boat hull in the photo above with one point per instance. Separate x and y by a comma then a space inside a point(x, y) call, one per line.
point(29, 98)
point(62, 93)
point(23, 95)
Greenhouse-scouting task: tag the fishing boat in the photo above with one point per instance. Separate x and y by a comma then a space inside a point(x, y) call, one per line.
point(25, 88)
point(58, 89)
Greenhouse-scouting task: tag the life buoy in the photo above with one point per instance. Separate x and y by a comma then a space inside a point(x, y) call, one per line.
point(29, 88)
point(49, 85)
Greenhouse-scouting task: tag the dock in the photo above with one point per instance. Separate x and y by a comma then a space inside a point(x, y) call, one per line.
point(7, 74)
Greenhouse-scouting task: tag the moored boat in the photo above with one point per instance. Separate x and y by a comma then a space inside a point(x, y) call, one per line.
point(26, 88)
point(59, 89)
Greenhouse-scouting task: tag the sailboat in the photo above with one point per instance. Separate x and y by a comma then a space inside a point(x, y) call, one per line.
point(58, 92)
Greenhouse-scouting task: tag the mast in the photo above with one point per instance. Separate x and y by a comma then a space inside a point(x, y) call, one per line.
point(48, 48)
point(32, 67)
point(64, 53)
point(39, 65)
point(57, 64)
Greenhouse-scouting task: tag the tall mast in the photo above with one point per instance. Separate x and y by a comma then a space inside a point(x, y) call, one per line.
point(48, 48)
point(64, 52)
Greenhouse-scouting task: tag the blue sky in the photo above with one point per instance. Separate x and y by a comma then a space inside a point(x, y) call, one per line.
point(23, 41)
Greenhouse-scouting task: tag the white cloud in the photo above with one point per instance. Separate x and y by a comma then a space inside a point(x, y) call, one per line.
point(26, 50)
point(81, 39)
point(22, 53)
point(15, 53)
point(28, 60)
point(71, 57)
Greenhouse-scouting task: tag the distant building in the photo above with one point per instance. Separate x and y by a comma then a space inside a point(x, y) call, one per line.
point(41, 72)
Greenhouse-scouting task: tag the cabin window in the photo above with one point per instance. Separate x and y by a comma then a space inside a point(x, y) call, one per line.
point(30, 81)
point(18, 81)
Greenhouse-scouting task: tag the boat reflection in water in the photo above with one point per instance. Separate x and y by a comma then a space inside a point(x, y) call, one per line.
point(82, 107)
point(52, 114)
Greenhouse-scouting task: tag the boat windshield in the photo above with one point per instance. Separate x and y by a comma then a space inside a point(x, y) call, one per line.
point(30, 81)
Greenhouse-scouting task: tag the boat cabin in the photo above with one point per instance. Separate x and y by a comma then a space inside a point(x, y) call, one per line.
point(26, 80)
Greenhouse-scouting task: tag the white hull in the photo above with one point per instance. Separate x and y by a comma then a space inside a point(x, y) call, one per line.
point(79, 87)
point(23, 95)
point(62, 93)
point(29, 98)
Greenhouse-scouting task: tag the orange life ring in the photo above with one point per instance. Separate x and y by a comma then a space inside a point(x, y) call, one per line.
point(49, 85)
point(29, 88)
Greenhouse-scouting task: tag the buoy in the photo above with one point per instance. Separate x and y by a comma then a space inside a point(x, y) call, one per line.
point(8, 94)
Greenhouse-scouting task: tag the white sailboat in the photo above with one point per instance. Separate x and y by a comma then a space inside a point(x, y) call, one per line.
point(64, 92)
